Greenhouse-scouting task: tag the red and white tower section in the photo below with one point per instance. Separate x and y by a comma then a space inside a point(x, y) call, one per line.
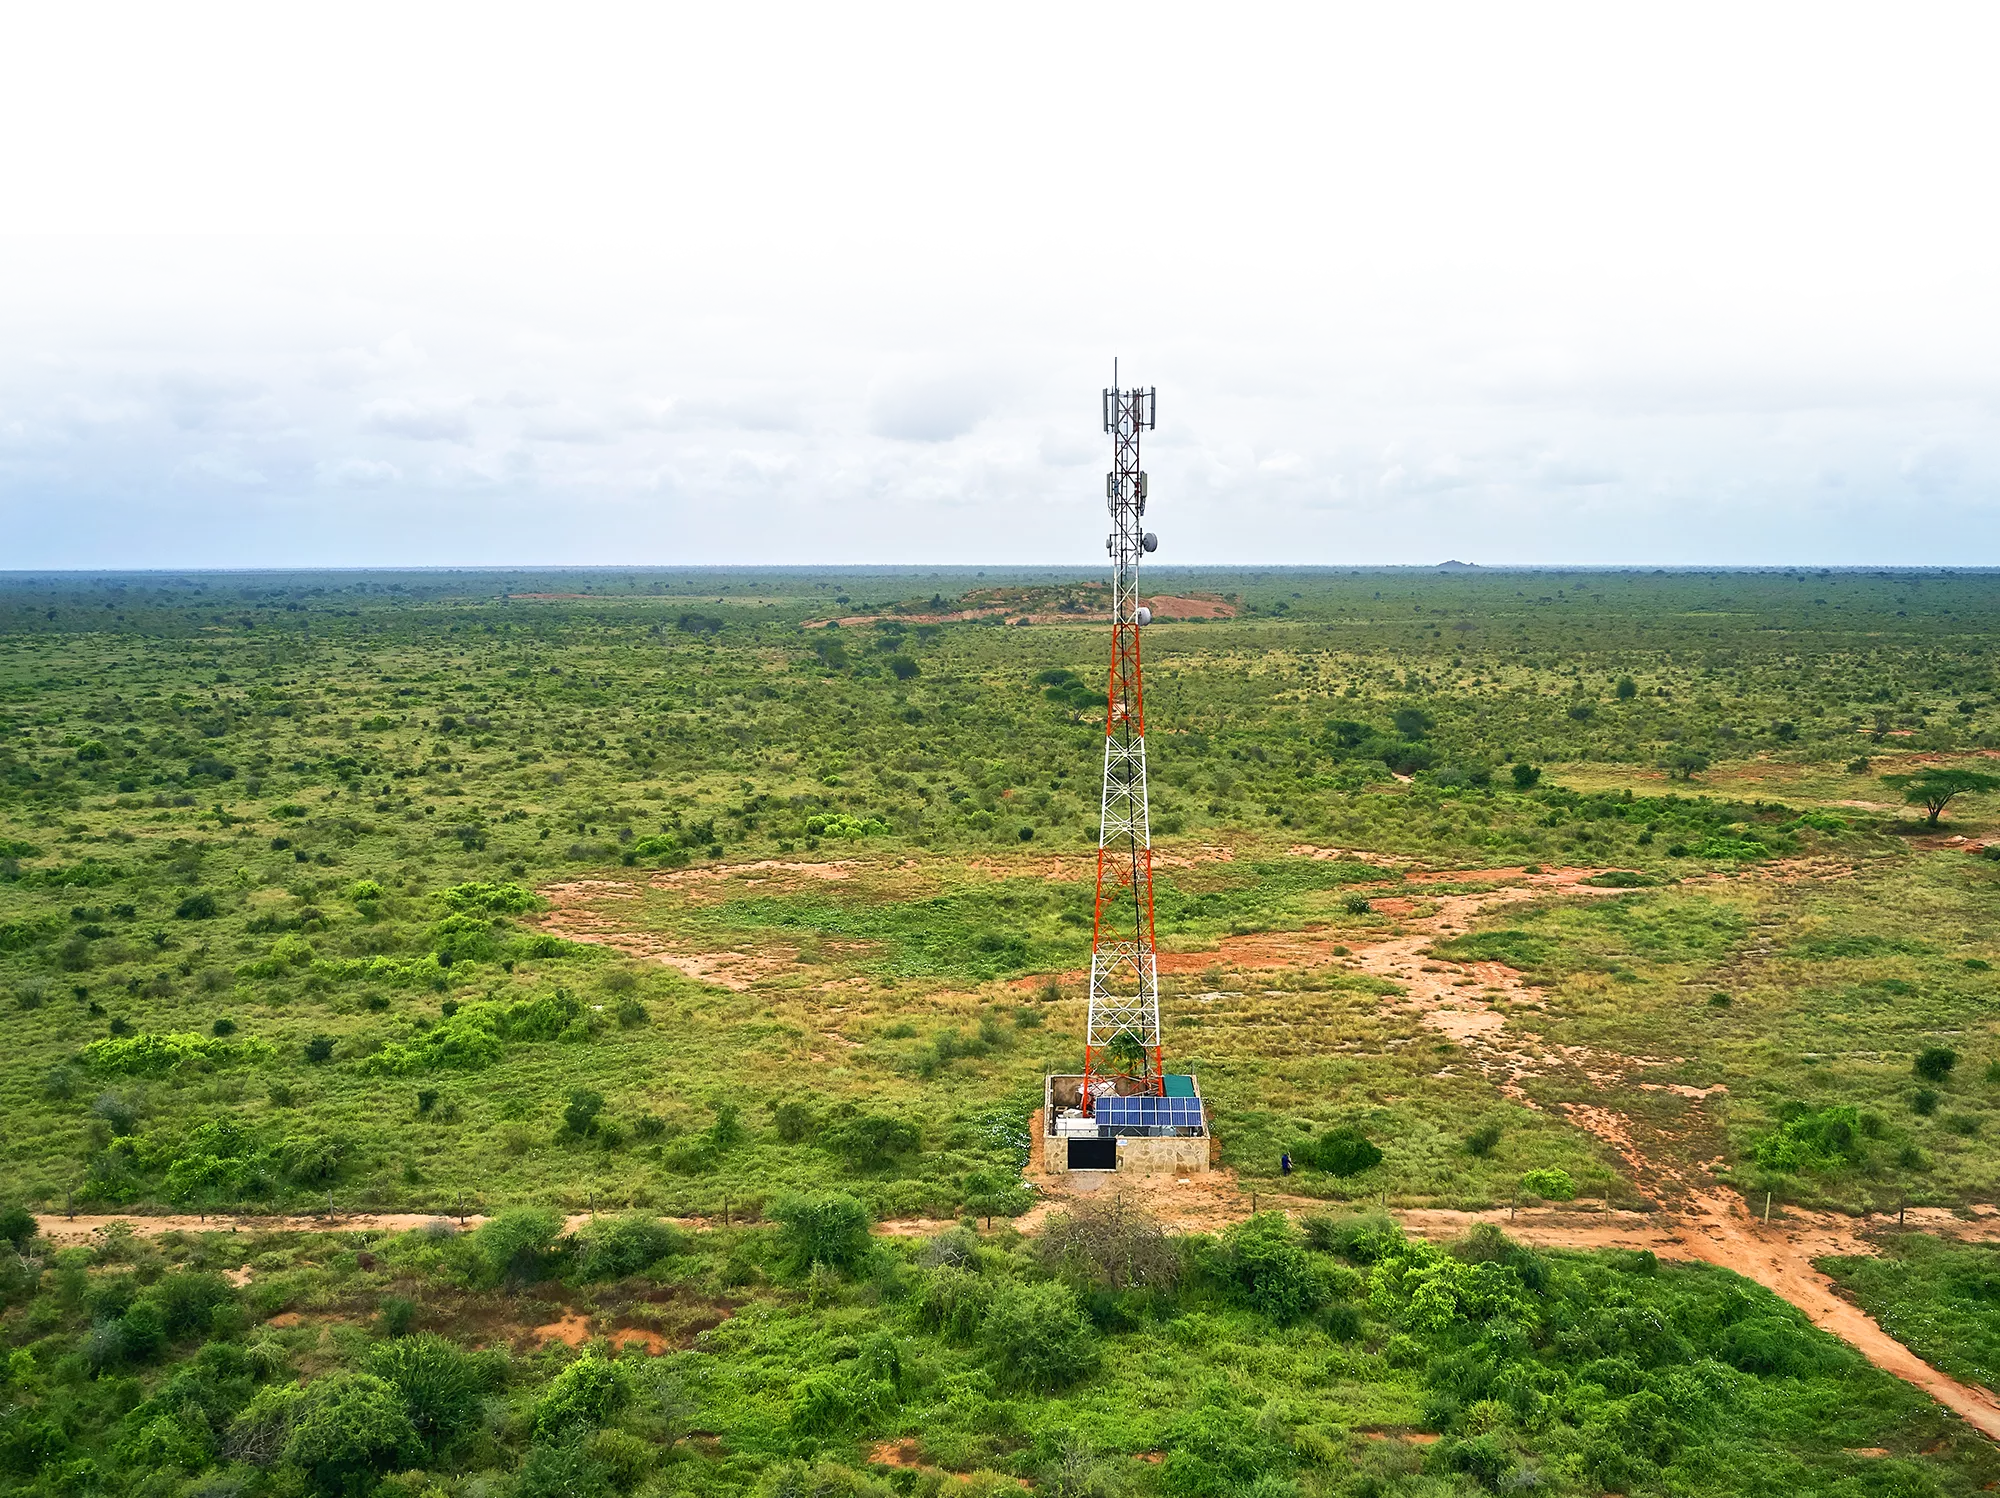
point(1123, 1036)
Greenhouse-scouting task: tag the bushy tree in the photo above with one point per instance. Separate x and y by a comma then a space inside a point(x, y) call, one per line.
point(1342, 1151)
point(1934, 790)
point(581, 1110)
point(1686, 764)
point(868, 1141)
point(513, 1246)
point(1550, 1183)
point(18, 1226)
point(586, 1393)
point(830, 1229)
point(990, 1194)
point(348, 1429)
point(440, 1383)
point(1265, 1265)
point(614, 1247)
point(1934, 1063)
point(1038, 1337)
point(794, 1121)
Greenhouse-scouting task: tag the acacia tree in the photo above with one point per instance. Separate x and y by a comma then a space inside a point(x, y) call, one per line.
point(1686, 764)
point(1934, 790)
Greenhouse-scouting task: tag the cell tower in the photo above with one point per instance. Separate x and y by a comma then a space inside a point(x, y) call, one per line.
point(1123, 1038)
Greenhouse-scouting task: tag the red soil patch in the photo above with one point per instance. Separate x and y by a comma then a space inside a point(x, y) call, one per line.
point(573, 1330)
point(1191, 606)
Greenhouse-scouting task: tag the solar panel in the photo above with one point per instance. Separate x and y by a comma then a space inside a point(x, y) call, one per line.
point(1149, 1112)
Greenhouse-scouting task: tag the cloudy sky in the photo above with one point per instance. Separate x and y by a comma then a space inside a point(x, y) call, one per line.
point(579, 283)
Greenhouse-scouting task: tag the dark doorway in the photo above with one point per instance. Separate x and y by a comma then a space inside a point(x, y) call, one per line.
point(1093, 1154)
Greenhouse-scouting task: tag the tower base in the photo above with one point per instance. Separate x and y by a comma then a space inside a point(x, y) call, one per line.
point(1073, 1142)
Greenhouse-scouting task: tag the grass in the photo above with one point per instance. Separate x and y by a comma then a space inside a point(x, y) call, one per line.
point(1266, 1361)
point(288, 861)
point(1936, 1297)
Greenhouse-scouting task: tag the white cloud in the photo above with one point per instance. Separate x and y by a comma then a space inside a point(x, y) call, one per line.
point(83, 411)
point(360, 473)
point(353, 367)
point(533, 341)
point(1060, 449)
point(1933, 467)
point(219, 468)
point(893, 405)
point(566, 423)
point(420, 421)
point(927, 408)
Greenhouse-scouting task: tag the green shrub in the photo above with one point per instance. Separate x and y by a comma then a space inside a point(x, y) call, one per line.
point(1037, 1336)
point(347, 1429)
point(566, 1468)
point(200, 906)
point(1934, 1063)
point(1772, 1345)
point(1809, 1140)
point(580, 1112)
point(514, 1246)
point(493, 899)
point(1482, 1140)
point(794, 1122)
point(869, 1141)
point(397, 1315)
point(440, 1384)
point(150, 1055)
point(188, 1300)
point(842, 825)
point(1550, 1184)
point(953, 1302)
point(991, 1193)
point(613, 1247)
point(1361, 1239)
point(1265, 1267)
point(312, 1159)
point(586, 1393)
point(18, 1226)
point(1342, 1151)
point(830, 1229)
point(837, 1400)
point(1214, 1451)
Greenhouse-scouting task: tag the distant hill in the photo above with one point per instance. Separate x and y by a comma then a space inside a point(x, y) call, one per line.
point(1458, 566)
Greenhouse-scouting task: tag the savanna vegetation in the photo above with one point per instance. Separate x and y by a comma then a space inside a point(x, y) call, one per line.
point(764, 894)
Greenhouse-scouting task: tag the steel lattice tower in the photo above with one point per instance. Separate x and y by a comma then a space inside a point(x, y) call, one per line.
point(1123, 1036)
